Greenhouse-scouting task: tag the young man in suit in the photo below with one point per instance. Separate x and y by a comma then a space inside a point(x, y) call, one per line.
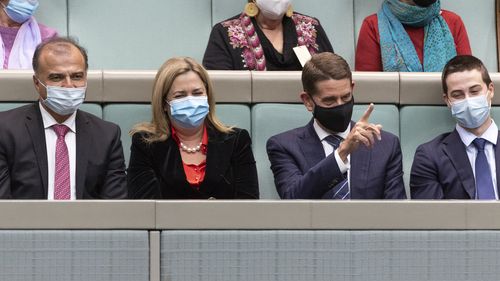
point(464, 163)
point(332, 157)
point(50, 149)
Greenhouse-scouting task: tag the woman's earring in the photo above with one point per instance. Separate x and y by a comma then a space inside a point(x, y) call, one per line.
point(289, 11)
point(251, 9)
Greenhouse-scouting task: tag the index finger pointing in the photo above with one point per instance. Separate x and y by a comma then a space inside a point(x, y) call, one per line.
point(367, 113)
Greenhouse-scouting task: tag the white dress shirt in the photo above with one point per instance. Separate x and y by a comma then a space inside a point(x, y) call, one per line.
point(491, 135)
point(50, 142)
point(328, 148)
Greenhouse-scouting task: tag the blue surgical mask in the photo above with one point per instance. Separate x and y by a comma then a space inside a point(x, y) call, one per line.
point(471, 112)
point(64, 101)
point(190, 111)
point(20, 10)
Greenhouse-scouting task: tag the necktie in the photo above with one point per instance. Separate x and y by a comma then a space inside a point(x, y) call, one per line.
point(61, 181)
point(341, 190)
point(484, 183)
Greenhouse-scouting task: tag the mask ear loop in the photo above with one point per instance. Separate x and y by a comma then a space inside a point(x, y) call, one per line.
point(488, 92)
point(312, 99)
point(45, 86)
point(39, 81)
point(166, 105)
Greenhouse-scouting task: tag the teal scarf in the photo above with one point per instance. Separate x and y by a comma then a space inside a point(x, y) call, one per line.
point(398, 52)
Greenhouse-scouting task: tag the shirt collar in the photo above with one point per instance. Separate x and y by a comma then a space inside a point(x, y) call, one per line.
point(491, 134)
point(49, 121)
point(322, 134)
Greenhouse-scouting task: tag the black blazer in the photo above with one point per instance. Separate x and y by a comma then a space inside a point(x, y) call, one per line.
point(223, 53)
point(100, 165)
point(156, 171)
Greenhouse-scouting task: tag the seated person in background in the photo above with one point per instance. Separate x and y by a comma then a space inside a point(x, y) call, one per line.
point(186, 152)
point(332, 157)
point(52, 150)
point(464, 163)
point(410, 36)
point(263, 37)
point(20, 33)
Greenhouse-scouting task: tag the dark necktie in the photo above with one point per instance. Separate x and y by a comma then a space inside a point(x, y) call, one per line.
point(484, 182)
point(341, 190)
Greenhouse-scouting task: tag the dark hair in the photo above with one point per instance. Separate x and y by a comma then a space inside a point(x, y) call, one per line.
point(60, 42)
point(464, 63)
point(324, 66)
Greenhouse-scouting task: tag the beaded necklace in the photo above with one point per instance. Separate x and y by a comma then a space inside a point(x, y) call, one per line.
point(190, 149)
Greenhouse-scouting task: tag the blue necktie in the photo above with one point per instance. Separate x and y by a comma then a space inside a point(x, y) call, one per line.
point(341, 190)
point(484, 183)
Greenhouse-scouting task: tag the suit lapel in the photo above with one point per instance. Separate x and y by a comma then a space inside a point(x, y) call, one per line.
point(455, 149)
point(311, 146)
point(360, 165)
point(34, 125)
point(168, 156)
point(218, 156)
point(83, 143)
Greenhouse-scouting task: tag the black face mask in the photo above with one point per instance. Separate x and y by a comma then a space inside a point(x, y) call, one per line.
point(335, 119)
point(424, 3)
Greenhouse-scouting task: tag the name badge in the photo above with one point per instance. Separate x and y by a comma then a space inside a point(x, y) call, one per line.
point(302, 54)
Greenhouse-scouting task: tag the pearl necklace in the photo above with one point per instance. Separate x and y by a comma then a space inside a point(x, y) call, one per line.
point(190, 149)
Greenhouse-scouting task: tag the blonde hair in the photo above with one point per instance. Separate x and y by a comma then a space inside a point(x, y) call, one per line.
point(159, 127)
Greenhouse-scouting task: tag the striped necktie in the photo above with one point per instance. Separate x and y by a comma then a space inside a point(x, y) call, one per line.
point(341, 190)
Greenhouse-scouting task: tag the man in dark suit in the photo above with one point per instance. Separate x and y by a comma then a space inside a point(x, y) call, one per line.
point(332, 157)
point(50, 149)
point(464, 163)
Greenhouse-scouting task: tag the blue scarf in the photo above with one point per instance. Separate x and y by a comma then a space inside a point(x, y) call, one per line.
point(398, 52)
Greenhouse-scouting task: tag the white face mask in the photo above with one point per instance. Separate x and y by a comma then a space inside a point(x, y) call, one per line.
point(273, 9)
point(64, 101)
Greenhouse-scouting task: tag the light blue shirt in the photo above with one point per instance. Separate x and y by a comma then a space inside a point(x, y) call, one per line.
point(491, 135)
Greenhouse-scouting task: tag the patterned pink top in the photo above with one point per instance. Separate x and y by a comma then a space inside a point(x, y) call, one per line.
point(8, 35)
point(238, 43)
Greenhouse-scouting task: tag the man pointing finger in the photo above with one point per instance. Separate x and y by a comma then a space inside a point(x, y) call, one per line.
point(333, 157)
